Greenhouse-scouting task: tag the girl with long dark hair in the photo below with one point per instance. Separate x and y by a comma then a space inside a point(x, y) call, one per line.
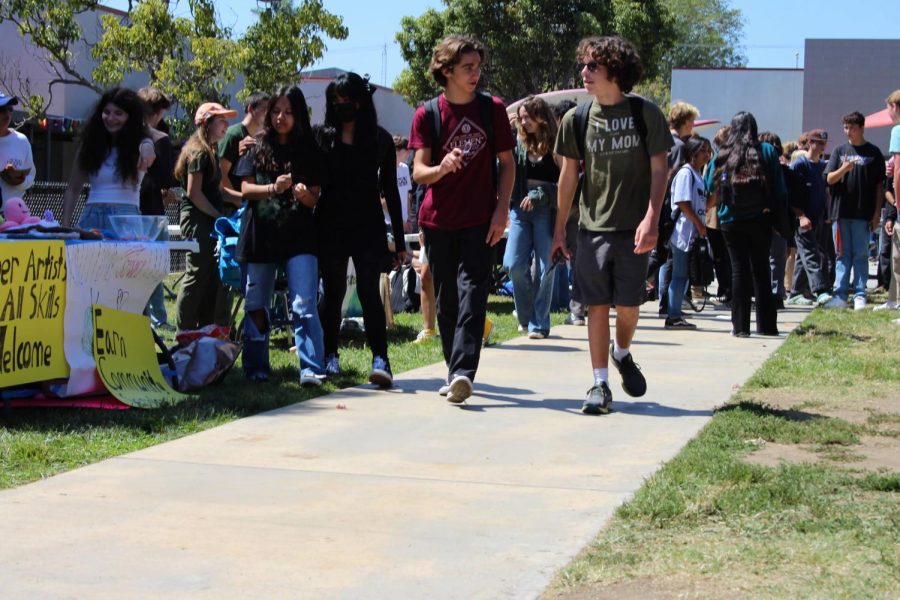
point(281, 181)
point(114, 153)
point(532, 214)
point(362, 166)
point(202, 299)
point(747, 179)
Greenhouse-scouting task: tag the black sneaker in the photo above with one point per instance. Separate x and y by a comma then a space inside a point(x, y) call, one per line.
point(633, 381)
point(598, 400)
point(679, 323)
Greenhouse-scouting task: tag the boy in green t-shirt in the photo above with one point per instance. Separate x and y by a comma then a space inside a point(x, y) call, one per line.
point(624, 184)
point(241, 136)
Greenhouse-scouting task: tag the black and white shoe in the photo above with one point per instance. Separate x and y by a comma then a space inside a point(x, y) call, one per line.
point(598, 400)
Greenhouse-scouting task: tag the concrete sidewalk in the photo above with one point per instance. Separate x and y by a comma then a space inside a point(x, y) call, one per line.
point(400, 495)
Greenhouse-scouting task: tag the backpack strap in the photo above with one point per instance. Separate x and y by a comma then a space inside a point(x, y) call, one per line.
point(581, 125)
point(433, 116)
point(486, 106)
point(637, 112)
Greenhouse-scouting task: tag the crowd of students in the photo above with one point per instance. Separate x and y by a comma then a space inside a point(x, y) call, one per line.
point(583, 187)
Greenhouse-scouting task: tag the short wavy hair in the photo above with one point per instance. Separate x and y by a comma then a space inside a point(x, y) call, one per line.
point(619, 56)
point(682, 113)
point(449, 52)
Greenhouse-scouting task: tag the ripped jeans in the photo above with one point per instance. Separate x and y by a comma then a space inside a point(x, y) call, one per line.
point(303, 284)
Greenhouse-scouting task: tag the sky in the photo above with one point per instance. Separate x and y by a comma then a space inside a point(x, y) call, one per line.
point(774, 30)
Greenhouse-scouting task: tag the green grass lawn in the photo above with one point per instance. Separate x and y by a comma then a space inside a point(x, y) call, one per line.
point(40, 442)
point(713, 523)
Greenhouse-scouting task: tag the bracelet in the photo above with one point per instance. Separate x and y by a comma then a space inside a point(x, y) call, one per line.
point(271, 189)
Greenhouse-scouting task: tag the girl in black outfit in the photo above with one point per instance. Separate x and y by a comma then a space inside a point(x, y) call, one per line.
point(362, 165)
point(747, 179)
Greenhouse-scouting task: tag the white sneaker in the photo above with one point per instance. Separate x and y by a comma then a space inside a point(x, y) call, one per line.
point(444, 389)
point(859, 303)
point(522, 329)
point(536, 335)
point(823, 299)
point(835, 303)
point(889, 305)
point(460, 389)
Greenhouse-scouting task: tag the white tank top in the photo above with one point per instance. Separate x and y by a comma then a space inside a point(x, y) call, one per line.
point(108, 188)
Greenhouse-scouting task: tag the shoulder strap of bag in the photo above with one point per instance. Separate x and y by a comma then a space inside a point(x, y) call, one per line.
point(433, 116)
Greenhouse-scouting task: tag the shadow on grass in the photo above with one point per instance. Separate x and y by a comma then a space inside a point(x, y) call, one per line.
point(813, 331)
point(761, 410)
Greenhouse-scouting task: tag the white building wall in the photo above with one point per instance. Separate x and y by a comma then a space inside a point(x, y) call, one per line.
point(774, 96)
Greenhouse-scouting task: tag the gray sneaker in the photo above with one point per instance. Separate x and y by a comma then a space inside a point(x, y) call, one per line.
point(598, 400)
point(460, 389)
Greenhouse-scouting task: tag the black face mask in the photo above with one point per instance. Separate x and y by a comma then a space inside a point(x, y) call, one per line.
point(345, 111)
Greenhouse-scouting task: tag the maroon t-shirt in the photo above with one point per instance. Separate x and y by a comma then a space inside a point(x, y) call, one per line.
point(466, 198)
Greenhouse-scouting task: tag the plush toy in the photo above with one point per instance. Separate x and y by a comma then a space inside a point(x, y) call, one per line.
point(16, 213)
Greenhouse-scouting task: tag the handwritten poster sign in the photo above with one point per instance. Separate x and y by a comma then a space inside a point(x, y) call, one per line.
point(121, 275)
point(126, 359)
point(32, 305)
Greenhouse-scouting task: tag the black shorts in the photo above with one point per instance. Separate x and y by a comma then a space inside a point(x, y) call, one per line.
point(607, 269)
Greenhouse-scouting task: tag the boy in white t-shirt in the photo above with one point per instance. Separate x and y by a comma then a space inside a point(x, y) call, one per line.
point(689, 201)
point(404, 181)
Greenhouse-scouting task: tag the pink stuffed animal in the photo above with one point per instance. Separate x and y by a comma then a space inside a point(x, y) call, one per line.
point(16, 213)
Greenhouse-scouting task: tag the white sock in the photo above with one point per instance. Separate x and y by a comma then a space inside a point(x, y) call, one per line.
point(619, 353)
point(601, 375)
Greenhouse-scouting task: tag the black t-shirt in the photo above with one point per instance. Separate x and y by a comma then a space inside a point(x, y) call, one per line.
point(158, 177)
point(278, 228)
point(349, 214)
point(853, 197)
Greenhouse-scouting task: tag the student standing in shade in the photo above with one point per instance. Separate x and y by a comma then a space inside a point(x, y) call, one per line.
point(281, 181)
point(362, 164)
point(625, 142)
point(202, 299)
point(114, 153)
point(157, 184)
point(465, 209)
point(16, 162)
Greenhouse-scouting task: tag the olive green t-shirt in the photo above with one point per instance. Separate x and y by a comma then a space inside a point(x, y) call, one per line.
point(202, 164)
point(617, 169)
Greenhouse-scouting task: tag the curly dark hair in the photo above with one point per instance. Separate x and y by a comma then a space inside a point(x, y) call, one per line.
point(358, 90)
point(267, 139)
point(97, 142)
point(618, 55)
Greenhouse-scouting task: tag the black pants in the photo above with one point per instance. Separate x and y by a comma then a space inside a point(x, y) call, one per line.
point(748, 247)
point(809, 265)
point(721, 263)
point(368, 277)
point(461, 263)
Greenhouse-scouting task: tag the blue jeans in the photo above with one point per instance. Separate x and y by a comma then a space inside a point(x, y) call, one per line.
point(851, 242)
point(96, 216)
point(303, 284)
point(531, 233)
point(679, 283)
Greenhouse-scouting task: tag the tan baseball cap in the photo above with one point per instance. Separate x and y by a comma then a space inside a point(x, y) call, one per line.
point(208, 110)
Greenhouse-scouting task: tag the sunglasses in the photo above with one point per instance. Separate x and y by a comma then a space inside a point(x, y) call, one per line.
point(591, 66)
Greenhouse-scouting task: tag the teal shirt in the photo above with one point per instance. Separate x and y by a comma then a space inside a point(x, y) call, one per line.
point(774, 176)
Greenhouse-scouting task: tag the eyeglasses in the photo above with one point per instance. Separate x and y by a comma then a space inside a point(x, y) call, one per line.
point(591, 66)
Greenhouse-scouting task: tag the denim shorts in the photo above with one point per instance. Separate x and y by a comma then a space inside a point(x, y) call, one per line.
point(96, 216)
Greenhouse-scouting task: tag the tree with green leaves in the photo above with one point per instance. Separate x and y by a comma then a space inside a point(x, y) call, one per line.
point(286, 40)
point(53, 29)
point(531, 43)
point(708, 33)
point(192, 58)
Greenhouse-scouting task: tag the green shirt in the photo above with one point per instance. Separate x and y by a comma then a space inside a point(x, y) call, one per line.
point(211, 179)
point(228, 149)
point(616, 191)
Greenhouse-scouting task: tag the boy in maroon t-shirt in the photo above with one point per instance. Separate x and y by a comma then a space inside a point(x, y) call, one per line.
point(464, 212)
